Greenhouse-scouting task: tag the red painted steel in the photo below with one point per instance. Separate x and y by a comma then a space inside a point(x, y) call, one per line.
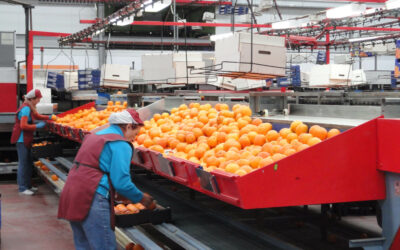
point(29, 63)
point(396, 241)
point(388, 139)
point(340, 169)
point(158, 23)
point(204, 2)
point(8, 96)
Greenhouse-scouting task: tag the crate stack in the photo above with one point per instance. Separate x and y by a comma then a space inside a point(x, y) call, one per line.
point(55, 81)
point(89, 79)
point(397, 60)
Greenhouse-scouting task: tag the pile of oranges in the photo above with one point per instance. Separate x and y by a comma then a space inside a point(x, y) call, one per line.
point(128, 209)
point(223, 139)
point(89, 119)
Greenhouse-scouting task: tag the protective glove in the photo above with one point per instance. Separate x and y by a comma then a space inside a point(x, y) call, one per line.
point(40, 124)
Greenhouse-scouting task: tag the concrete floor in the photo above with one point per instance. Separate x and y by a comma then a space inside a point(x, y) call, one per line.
point(30, 222)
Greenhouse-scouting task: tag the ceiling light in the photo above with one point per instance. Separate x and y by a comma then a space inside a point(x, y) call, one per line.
point(220, 36)
point(288, 24)
point(149, 6)
point(392, 4)
point(349, 10)
point(362, 39)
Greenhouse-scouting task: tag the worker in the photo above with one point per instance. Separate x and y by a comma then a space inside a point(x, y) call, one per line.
point(101, 166)
point(22, 136)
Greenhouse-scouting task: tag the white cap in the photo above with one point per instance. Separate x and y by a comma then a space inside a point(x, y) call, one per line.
point(128, 116)
point(33, 94)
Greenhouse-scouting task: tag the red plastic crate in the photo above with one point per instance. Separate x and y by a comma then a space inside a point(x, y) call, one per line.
point(145, 156)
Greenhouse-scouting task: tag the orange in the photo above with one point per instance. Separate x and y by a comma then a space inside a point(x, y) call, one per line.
point(252, 136)
point(318, 131)
point(245, 111)
point(333, 132)
point(220, 154)
point(301, 128)
point(232, 168)
point(163, 142)
point(302, 147)
point(272, 135)
point(155, 132)
point(190, 138)
point(173, 143)
point(283, 142)
point(242, 162)
point(156, 117)
point(263, 154)
point(276, 149)
point(303, 138)
point(294, 125)
point(284, 132)
point(132, 208)
point(140, 139)
point(212, 161)
point(241, 123)
point(232, 155)
point(289, 151)
point(181, 147)
point(194, 105)
point(266, 161)
point(54, 177)
point(290, 137)
point(212, 141)
point(232, 143)
point(256, 121)
point(240, 172)
point(267, 147)
point(193, 112)
point(259, 140)
point(208, 131)
point(246, 168)
point(277, 157)
point(148, 143)
point(234, 136)
point(183, 107)
point(244, 141)
point(121, 208)
point(255, 161)
point(199, 152)
point(197, 132)
point(313, 141)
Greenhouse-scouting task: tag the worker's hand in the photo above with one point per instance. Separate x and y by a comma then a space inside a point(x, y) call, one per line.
point(40, 124)
point(147, 200)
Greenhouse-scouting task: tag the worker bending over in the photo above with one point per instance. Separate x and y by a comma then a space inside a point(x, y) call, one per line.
point(102, 164)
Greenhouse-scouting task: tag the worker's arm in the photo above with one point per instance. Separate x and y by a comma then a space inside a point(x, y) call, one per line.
point(39, 116)
point(120, 171)
point(24, 116)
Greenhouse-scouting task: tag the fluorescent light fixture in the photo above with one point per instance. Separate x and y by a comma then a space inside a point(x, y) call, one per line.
point(157, 6)
point(392, 4)
point(349, 10)
point(126, 21)
point(370, 11)
point(220, 36)
point(113, 19)
point(362, 39)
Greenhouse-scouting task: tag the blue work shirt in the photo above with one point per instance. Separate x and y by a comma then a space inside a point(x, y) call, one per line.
point(25, 111)
point(115, 159)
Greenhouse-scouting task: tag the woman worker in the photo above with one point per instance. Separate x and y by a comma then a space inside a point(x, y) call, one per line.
point(101, 165)
point(22, 135)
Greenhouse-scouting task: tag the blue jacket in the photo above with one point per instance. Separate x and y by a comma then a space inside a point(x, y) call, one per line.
point(25, 111)
point(116, 160)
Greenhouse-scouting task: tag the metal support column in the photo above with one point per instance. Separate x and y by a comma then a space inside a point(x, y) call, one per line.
point(102, 51)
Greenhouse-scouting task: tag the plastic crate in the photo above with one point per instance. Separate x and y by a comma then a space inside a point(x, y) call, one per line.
point(50, 150)
point(156, 216)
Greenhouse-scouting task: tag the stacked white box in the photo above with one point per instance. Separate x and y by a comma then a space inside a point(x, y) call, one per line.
point(172, 68)
point(268, 51)
point(115, 75)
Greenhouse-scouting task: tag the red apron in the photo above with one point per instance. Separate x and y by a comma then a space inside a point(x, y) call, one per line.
point(83, 179)
point(16, 132)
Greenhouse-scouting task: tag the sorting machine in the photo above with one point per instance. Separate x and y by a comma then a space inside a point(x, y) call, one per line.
point(360, 164)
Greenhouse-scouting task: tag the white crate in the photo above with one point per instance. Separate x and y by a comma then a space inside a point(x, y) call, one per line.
point(171, 67)
point(115, 73)
point(319, 75)
point(339, 71)
point(267, 50)
point(71, 80)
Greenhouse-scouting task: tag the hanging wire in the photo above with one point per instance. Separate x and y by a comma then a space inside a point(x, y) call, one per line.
point(47, 65)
